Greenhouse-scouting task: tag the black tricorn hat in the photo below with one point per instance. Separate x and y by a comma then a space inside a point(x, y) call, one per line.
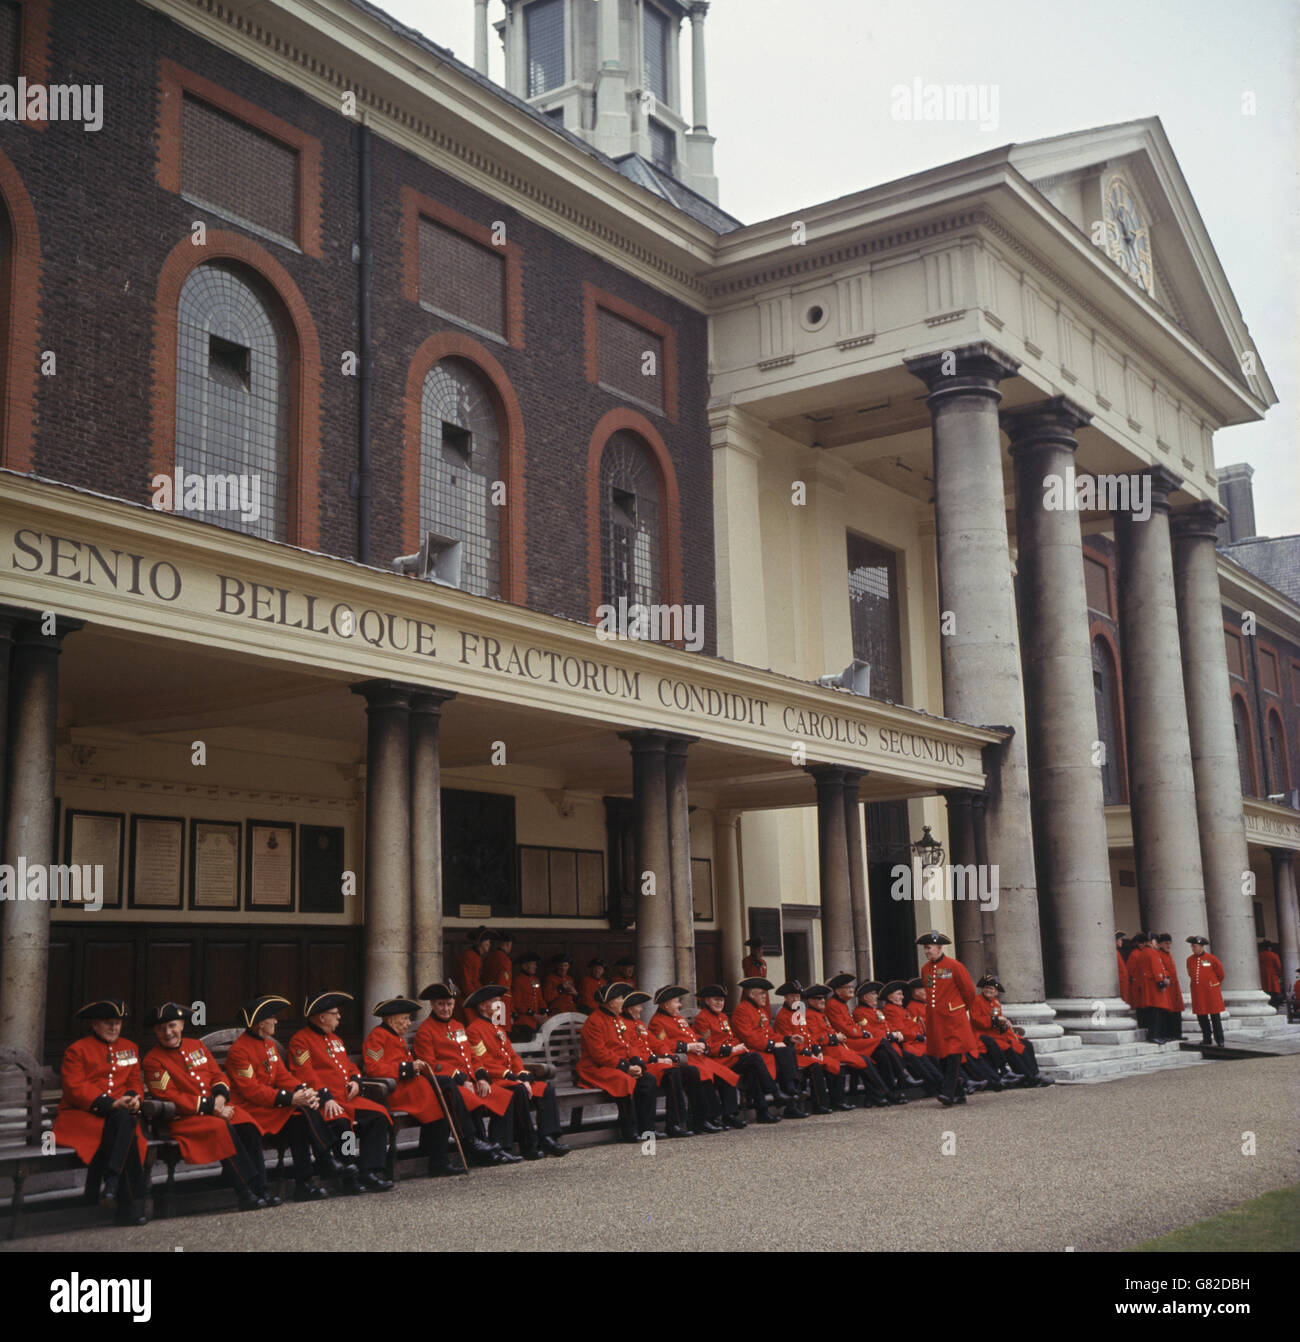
point(1198, 941)
point(527, 956)
point(628, 959)
point(667, 994)
point(893, 986)
point(395, 1006)
point(1263, 945)
point(839, 980)
point(616, 988)
point(868, 986)
point(710, 990)
point(106, 1008)
point(755, 983)
point(635, 998)
point(754, 941)
point(817, 990)
point(169, 1011)
point(503, 934)
point(485, 994)
point(788, 988)
point(1164, 936)
point(560, 958)
point(913, 984)
point(479, 934)
point(1121, 934)
point(933, 939)
point(596, 960)
point(260, 1008)
point(325, 1001)
point(1140, 938)
point(990, 981)
point(437, 992)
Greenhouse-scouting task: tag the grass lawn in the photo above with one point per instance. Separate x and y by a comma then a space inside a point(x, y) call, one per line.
point(1271, 1222)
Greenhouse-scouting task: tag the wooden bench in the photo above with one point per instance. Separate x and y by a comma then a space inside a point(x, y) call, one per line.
point(559, 1044)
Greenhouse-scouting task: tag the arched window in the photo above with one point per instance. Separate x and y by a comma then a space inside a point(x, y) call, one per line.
point(630, 562)
point(1281, 775)
point(460, 461)
point(232, 401)
point(1241, 725)
point(1104, 692)
point(6, 310)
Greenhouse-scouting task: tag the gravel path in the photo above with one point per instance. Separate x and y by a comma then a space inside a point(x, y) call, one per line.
point(1093, 1167)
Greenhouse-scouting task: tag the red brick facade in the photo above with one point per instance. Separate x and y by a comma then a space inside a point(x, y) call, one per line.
point(20, 278)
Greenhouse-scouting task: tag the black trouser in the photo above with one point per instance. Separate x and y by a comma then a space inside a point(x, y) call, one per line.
point(548, 1115)
point(978, 1069)
point(1147, 1020)
point(870, 1079)
point(246, 1169)
point(889, 1065)
point(309, 1136)
point(682, 1083)
point(1207, 1023)
point(116, 1161)
point(1023, 1064)
point(372, 1139)
point(752, 1070)
point(818, 1088)
point(928, 1070)
point(469, 1127)
point(1171, 1024)
point(722, 1099)
point(638, 1109)
point(787, 1069)
point(951, 1066)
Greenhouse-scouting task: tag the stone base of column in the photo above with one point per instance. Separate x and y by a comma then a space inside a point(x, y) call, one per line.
point(1097, 1020)
point(1245, 1002)
point(1038, 1019)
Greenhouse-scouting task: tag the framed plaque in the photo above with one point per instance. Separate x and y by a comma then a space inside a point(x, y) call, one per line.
point(95, 839)
point(321, 862)
point(270, 867)
point(157, 871)
point(214, 864)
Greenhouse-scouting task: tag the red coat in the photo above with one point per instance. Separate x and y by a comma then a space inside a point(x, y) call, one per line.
point(447, 1047)
point(260, 1084)
point(909, 1026)
point(719, 1037)
point(587, 992)
point(873, 1023)
point(1154, 968)
point(469, 970)
point(1204, 977)
point(983, 1012)
point(322, 1061)
point(189, 1077)
point(753, 1026)
point(949, 994)
point(605, 1044)
point(860, 1040)
point(387, 1055)
point(498, 967)
point(560, 993)
point(94, 1074)
point(788, 1023)
point(642, 1044)
point(499, 1056)
point(753, 969)
point(1141, 985)
point(672, 1031)
point(529, 1001)
point(820, 1030)
point(1122, 970)
point(1169, 970)
point(1270, 972)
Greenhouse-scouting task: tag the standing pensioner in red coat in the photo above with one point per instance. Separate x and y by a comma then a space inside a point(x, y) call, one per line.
point(99, 1109)
point(274, 1099)
point(499, 967)
point(1205, 983)
point(1270, 972)
point(207, 1126)
point(559, 991)
point(949, 994)
point(528, 997)
point(1141, 985)
point(1173, 1017)
point(469, 963)
point(753, 966)
point(607, 1063)
point(593, 984)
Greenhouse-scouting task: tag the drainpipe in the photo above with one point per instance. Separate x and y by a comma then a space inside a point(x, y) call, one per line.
point(362, 481)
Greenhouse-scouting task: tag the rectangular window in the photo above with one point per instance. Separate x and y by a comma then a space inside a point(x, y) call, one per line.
point(1268, 671)
point(561, 882)
point(1097, 581)
point(655, 34)
point(874, 616)
point(462, 279)
point(544, 21)
point(663, 146)
point(1236, 663)
point(238, 170)
point(630, 359)
point(11, 29)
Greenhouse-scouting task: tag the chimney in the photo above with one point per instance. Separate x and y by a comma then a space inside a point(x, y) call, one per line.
point(1238, 496)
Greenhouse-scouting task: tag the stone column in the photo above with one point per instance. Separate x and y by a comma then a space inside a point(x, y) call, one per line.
point(655, 952)
point(981, 654)
point(8, 625)
point(29, 833)
point(699, 92)
point(969, 935)
point(1166, 843)
point(388, 839)
point(426, 838)
point(1220, 821)
point(481, 65)
point(679, 845)
point(980, 829)
point(1065, 784)
point(1288, 924)
point(857, 874)
point(731, 899)
point(838, 952)
point(613, 129)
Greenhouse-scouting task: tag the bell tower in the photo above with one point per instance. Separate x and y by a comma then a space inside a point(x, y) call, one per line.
point(610, 71)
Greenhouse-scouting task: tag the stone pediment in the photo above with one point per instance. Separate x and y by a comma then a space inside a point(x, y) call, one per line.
point(1075, 172)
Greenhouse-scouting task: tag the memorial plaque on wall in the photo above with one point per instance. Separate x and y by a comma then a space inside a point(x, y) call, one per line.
point(766, 923)
point(270, 865)
point(94, 839)
point(157, 848)
point(478, 851)
point(214, 864)
point(321, 880)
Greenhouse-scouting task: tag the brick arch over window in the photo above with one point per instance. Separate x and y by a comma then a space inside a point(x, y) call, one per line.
point(1098, 633)
point(20, 275)
point(304, 370)
point(454, 345)
point(1280, 777)
point(1244, 729)
point(670, 512)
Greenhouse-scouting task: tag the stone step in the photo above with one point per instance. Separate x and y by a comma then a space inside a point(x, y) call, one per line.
point(1111, 1069)
point(1100, 1053)
point(1064, 1043)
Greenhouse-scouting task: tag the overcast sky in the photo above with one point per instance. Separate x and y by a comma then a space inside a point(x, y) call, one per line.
point(799, 99)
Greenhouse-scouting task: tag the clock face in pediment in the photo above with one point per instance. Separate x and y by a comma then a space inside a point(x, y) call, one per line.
point(1128, 238)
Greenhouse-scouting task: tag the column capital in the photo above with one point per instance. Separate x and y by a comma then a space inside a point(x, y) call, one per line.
point(1200, 521)
point(1282, 856)
point(430, 701)
point(29, 631)
point(1050, 423)
point(699, 8)
point(826, 775)
point(967, 369)
point(385, 693)
point(643, 740)
point(1163, 483)
point(678, 745)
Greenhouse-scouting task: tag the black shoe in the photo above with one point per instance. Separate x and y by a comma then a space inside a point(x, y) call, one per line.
point(130, 1214)
point(708, 1125)
point(767, 1116)
point(445, 1170)
point(500, 1157)
point(329, 1168)
point(961, 1097)
point(945, 1101)
point(350, 1185)
point(530, 1153)
point(793, 1111)
point(249, 1203)
point(841, 1108)
point(552, 1146)
point(895, 1098)
point(822, 1109)
point(309, 1193)
point(374, 1182)
point(911, 1080)
point(271, 1200)
point(735, 1121)
point(676, 1130)
point(476, 1146)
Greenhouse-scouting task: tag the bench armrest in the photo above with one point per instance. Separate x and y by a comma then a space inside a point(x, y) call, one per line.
point(540, 1071)
point(378, 1087)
